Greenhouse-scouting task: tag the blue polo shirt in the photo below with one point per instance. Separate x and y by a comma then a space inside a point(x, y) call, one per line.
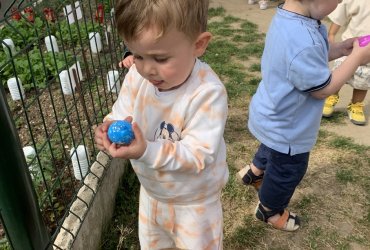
point(282, 113)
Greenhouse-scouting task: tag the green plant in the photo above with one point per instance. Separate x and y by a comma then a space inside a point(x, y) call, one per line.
point(255, 67)
point(213, 12)
point(246, 235)
point(49, 181)
point(26, 33)
point(345, 175)
point(22, 32)
point(4, 245)
point(70, 34)
point(34, 68)
point(41, 173)
point(348, 144)
point(108, 5)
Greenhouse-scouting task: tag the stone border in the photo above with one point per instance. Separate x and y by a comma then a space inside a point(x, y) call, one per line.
point(93, 209)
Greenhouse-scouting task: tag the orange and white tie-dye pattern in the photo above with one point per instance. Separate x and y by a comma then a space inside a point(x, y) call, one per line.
point(170, 226)
point(184, 165)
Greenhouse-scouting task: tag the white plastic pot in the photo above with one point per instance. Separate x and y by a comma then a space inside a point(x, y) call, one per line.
point(95, 42)
point(113, 81)
point(68, 85)
point(15, 91)
point(68, 12)
point(8, 46)
point(51, 44)
point(30, 154)
point(80, 161)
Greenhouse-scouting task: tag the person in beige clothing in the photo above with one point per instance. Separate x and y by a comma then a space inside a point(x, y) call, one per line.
point(354, 17)
point(264, 4)
point(178, 108)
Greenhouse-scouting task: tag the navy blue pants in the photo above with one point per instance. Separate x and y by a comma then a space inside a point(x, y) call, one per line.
point(283, 173)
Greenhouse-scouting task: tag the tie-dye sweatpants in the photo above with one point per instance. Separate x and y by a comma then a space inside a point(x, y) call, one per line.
point(164, 225)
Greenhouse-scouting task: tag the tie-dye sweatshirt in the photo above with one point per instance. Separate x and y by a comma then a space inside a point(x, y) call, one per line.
point(185, 158)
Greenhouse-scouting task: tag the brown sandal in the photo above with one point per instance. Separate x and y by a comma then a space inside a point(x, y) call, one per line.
point(247, 177)
point(287, 222)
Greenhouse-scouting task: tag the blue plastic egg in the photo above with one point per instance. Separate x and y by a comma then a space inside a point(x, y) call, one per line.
point(120, 132)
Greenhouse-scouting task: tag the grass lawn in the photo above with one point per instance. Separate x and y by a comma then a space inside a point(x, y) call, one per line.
point(333, 200)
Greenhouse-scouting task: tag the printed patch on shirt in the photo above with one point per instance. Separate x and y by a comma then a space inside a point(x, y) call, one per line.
point(166, 131)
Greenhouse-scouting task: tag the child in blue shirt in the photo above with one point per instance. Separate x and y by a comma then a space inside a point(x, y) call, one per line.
point(285, 112)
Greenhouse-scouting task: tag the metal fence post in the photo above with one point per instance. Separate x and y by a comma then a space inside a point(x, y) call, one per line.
point(18, 204)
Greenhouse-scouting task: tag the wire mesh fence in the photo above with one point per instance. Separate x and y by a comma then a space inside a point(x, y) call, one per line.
point(58, 65)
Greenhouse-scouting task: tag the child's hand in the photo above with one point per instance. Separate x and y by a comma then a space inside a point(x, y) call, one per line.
point(132, 151)
point(363, 53)
point(347, 46)
point(127, 62)
point(100, 133)
point(339, 49)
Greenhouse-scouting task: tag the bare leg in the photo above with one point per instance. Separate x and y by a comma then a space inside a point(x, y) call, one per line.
point(358, 95)
point(256, 171)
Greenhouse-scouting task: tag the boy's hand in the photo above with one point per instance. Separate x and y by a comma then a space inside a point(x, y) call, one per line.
point(132, 151)
point(347, 46)
point(340, 49)
point(101, 132)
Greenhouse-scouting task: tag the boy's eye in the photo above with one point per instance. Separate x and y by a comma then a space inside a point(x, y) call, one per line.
point(161, 60)
point(137, 57)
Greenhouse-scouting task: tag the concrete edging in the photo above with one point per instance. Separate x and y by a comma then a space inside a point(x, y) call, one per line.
point(87, 224)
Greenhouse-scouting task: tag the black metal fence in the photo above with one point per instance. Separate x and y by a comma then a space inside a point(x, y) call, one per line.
point(58, 79)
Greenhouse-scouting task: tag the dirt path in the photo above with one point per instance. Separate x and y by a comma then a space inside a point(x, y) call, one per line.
point(240, 8)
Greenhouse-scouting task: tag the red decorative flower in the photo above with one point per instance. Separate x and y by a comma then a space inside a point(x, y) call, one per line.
point(99, 14)
point(16, 15)
point(49, 14)
point(28, 10)
point(30, 15)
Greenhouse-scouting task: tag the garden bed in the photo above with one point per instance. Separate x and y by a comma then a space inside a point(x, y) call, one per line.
point(48, 119)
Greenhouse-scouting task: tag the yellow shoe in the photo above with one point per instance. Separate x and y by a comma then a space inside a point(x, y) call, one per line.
point(329, 105)
point(356, 113)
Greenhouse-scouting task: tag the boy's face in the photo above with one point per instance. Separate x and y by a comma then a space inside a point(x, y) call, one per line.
point(166, 62)
point(319, 9)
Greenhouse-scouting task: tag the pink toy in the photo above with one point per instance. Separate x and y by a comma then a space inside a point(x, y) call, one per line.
point(364, 40)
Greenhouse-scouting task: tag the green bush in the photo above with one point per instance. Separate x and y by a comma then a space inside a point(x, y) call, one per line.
point(34, 68)
point(31, 65)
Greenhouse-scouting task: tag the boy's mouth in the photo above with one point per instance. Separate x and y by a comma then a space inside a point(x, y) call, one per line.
point(155, 82)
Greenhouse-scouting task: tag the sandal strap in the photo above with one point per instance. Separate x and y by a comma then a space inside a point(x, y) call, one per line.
point(250, 177)
point(287, 222)
point(281, 222)
point(293, 222)
point(263, 215)
point(247, 177)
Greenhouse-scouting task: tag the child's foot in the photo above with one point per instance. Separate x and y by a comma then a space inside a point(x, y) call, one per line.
point(283, 220)
point(247, 177)
point(356, 113)
point(263, 4)
point(329, 105)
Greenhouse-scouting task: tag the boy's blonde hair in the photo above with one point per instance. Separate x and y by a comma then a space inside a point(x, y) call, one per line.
point(187, 16)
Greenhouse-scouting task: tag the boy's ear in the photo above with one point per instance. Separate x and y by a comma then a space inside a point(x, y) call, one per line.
point(201, 43)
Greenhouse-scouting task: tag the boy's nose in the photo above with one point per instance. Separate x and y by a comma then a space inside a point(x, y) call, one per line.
point(149, 68)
